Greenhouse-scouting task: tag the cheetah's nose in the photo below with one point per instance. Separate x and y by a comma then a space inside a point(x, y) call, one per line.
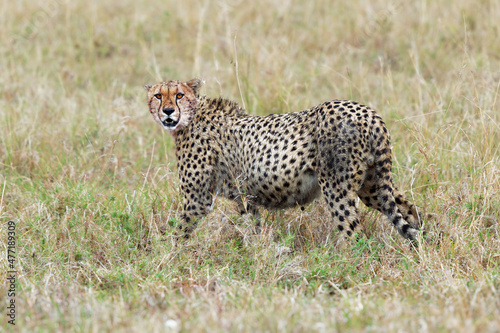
point(168, 111)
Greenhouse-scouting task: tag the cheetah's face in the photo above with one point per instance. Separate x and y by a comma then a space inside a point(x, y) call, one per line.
point(173, 103)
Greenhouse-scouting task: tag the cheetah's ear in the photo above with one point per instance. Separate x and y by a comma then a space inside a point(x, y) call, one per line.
point(147, 87)
point(195, 84)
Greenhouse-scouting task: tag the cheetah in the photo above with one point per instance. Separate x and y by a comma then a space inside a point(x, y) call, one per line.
point(340, 149)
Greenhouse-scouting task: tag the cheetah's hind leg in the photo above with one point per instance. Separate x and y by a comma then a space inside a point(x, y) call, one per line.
point(340, 176)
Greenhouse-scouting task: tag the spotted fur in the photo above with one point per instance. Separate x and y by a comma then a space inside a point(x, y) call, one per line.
point(340, 149)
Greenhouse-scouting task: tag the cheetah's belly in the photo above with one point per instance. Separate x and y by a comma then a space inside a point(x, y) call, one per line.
point(302, 190)
point(306, 192)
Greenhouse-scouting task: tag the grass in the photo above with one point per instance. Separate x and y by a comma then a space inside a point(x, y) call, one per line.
point(90, 180)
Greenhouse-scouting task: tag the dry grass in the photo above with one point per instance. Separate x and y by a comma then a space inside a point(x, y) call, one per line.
point(90, 179)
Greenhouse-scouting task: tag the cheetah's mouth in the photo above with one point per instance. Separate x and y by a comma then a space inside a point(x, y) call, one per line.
point(169, 122)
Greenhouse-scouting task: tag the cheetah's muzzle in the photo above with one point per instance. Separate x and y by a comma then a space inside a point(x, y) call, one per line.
point(169, 122)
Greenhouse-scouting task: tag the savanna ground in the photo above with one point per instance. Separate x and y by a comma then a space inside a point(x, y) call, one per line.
point(90, 179)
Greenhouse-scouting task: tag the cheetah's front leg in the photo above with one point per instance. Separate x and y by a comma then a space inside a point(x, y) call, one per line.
point(250, 212)
point(197, 200)
point(194, 209)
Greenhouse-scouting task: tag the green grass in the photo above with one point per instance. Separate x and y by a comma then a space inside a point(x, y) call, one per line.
point(91, 180)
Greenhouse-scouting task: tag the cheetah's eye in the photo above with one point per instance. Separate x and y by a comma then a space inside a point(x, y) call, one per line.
point(158, 96)
point(179, 95)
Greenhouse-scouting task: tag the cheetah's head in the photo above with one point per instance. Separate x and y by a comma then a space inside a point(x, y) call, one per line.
point(173, 103)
